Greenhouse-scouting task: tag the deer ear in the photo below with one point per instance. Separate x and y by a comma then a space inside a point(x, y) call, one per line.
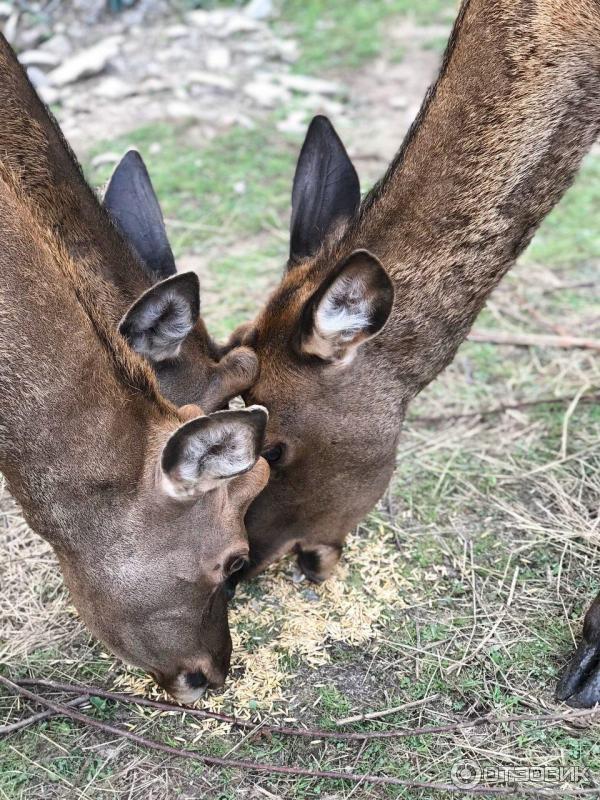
point(326, 189)
point(132, 203)
point(351, 306)
point(208, 450)
point(158, 322)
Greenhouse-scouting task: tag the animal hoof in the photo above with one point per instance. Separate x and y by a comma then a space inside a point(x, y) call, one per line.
point(579, 684)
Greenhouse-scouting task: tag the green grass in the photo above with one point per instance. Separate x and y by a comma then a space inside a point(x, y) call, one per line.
point(570, 235)
point(335, 34)
point(238, 185)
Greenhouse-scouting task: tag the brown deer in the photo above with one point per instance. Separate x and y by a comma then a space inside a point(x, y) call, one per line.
point(143, 502)
point(378, 295)
point(130, 247)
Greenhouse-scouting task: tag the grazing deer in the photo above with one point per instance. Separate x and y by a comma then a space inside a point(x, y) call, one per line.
point(378, 295)
point(142, 502)
point(161, 320)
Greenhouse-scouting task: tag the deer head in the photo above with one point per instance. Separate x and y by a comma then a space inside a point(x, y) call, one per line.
point(154, 586)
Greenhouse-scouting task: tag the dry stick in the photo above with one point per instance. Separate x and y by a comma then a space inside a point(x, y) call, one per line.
point(274, 769)
point(592, 397)
point(313, 733)
point(39, 717)
point(533, 340)
point(386, 711)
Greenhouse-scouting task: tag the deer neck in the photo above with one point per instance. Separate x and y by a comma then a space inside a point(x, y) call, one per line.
point(76, 404)
point(498, 140)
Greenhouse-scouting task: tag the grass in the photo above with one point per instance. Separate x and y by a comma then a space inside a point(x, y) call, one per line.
point(571, 233)
point(469, 580)
point(336, 35)
point(238, 185)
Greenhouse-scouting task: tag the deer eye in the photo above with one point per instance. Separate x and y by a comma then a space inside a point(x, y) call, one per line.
point(273, 454)
point(234, 565)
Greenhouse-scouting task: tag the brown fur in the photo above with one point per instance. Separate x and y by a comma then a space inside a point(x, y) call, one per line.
point(33, 148)
point(498, 140)
point(82, 429)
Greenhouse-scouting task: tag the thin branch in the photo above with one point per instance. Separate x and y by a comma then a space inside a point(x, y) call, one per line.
point(533, 340)
point(313, 733)
point(40, 716)
point(592, 397)
point(275, 769)
point(386, 711)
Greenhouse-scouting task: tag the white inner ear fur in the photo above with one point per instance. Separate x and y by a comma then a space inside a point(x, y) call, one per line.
point(209, 457)
point(341, 317)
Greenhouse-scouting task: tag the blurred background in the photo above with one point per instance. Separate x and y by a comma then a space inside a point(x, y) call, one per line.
point(466, 586)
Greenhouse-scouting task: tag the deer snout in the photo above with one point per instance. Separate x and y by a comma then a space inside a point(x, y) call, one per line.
point(191, 685)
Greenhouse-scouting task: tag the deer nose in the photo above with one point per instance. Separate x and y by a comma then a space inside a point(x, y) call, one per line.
point(196, 680)
point(188, 687)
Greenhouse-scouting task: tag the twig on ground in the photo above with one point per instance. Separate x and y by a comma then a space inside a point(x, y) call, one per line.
point(386, 711)
point(592, 397)
point(313, 733)
point(568, 414)
point(12, 727)
point(533, 340)
point(275, 769)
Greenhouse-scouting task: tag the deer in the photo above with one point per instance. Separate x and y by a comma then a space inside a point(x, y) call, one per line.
point(379, 293)
point(156, 308)
point(142, 501)
point(141, 498)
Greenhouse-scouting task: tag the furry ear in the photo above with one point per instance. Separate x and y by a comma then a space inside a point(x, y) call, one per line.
point(132, 203)
point(326, 189)
point(208, 450)
point(159, 321)
point(352, 305)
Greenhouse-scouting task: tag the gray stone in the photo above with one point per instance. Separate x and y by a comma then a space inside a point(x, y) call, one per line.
point(259, 9)
point(86, 63)
point(217, 58)
point(176, 31)
point(398, 102)
point(37, 77)
point(266, 93)
point(295, 122)
point(59, 45)
point(49, 95)
point(10, 27)
point(113, 88)
point(38, 58)
point(307, 85)
point(209, 79)
point(105, 158)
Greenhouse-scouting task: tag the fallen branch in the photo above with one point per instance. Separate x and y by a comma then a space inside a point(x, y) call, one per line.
point(533, 340)
point(312, 733)
point(386, 711)
point(591, 397)
point(275, 769)
point(12, 727)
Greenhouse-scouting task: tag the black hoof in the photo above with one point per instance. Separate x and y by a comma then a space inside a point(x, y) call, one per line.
point(579, 684)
